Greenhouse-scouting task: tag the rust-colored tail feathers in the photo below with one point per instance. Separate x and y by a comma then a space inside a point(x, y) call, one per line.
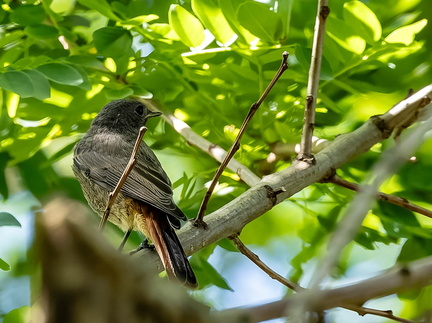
point(168, 247)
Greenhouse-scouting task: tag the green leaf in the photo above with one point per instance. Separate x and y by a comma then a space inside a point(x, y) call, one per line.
point(18, 315)
point(7, 219)
point(42, 32)
point(206, 273)
point(186, 25)
point(4, 159)
point(406, 34)
point(61, 73)
point(213, 19)
point(115, 42)
point(4, 266)
point(363, 20)
point(229, 9)
point(102, 6)
point(14, 36)
point(41, 86)
point(28, 15)
point(114, 94)
point(260, 21)
point(345, 36)
point(17, 82)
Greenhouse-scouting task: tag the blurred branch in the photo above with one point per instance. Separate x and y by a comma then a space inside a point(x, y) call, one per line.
point(396, 200)
point(313, 82)
point(236, 144)
point(274, 275)
point(410, 276)
point(389, 163)
point(84, 279)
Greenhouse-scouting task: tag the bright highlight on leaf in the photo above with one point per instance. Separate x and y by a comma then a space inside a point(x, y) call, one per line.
point(260, 21)
point(405, 35)
point(212, 17)
point(186, 25)
point(360, 16)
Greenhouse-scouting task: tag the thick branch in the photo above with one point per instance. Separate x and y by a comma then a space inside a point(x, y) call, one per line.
point(415, 275)
point(231, 218)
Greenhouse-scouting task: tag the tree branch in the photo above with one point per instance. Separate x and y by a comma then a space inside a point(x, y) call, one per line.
point(236, 144)
point(313, 81)
point(213, 150)
point(410, 276)
point(257, 261)
point(274, 275)
point(232, 217)
point(396, 200)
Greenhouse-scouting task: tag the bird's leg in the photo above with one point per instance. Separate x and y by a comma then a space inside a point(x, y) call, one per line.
point(143, 245)
point(125, 238)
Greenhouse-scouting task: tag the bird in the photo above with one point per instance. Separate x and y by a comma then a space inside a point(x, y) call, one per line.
point(145, 201)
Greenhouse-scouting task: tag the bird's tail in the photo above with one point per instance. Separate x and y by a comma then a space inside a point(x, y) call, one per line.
point(160, 232)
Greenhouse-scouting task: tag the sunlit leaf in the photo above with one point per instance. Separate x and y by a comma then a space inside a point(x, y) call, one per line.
point(4, 266)
point(260, 21)
point(213, 19)
point(363, 20)
point(405, 35)
point(186, 25)
point(344, 35)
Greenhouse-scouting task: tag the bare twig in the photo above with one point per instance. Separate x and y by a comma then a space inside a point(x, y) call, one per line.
point(236, 145)
point(396, 200)
point(313, 82)
point(362, 311)
point(128, 169)
point(257, 261)
point(213, 150)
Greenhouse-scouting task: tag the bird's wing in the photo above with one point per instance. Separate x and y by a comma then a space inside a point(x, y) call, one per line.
point(147, 182)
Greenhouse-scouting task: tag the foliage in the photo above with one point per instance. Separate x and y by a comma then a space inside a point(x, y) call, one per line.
point(206, 61)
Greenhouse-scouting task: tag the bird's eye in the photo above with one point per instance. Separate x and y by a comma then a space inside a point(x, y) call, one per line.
point(140, 110)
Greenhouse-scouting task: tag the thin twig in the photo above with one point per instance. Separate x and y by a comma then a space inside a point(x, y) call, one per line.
point(213, 150)
point(313, 82)
point(257, 261)
point(396, 200)
point(274, 275)
point(126, 172)
point(362, 311)
point(236, 145)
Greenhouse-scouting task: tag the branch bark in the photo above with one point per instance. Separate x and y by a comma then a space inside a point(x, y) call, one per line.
point(411, 276)
point(260, 198)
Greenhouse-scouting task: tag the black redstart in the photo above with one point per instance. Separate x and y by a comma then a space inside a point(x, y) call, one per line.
point(145, 201)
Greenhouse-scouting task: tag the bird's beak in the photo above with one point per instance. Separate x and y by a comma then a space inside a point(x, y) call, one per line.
point(152, 114)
